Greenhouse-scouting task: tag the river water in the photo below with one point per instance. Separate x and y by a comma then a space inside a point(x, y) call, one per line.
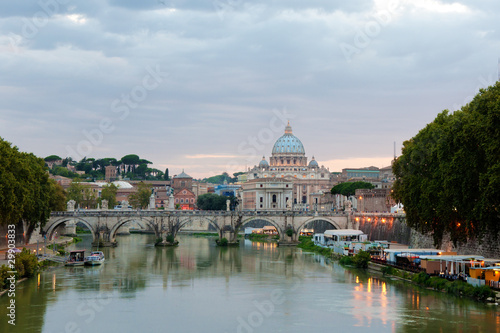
point(258, 287)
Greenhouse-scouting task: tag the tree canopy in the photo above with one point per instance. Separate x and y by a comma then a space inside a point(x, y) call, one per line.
point(52, 158)
point(349, 188)
point(140, 198)
point(27, 194)
point(212, 201)
point(448, 176)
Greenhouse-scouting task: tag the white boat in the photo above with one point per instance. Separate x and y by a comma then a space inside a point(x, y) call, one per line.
point(95, 258)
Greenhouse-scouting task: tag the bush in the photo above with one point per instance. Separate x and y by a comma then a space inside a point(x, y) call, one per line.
point(345, 260)
point(388, 270)
point(26, 264)
point(3, 276)
point(421, 278)
point(223, 242)
point(289, 232)
point(362, 259)
point(170, 238)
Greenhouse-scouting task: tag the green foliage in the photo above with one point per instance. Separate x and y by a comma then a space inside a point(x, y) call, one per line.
point(389, 270)
point(212, 201)
point(220, 179)
point(130, 159)
point(289, 232)
point(346, 260)
point(3, 276)
point(361, 259)
point(26, 263)
point(140, 199)
point(262, 237)
point(349, 188)
point(170, 238)
point(26, 192)
point(109, 193)
point(307, 244)
point(448, 176)
point(52, 158)
point(223, 242)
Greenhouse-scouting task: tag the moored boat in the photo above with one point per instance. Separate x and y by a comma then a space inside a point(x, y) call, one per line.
point(75, 258)
point(95, 258)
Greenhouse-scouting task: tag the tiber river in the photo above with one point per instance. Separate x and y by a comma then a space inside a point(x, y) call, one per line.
point(257, 287)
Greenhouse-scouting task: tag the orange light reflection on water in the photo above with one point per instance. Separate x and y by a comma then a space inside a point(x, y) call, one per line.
point(371, 302)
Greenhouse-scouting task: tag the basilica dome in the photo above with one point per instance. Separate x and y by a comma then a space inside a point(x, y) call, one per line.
point(313, 163)
point(288, 143)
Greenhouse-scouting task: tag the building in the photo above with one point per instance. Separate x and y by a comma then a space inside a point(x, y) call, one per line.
point(287, 166)
point(370, 174)
point(182, 185)
point(266, 194)
point(227, 190)
point(374, 200)
point(110, 173)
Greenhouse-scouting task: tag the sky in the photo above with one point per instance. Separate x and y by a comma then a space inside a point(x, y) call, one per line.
point(208, 86)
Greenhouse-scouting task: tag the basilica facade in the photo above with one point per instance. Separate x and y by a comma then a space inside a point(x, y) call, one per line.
point(287, 180)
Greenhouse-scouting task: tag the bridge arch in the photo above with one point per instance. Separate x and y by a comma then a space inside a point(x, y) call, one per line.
point(318, 218)
point(121, 222)
point(53, 226)
point(205, 218)
point(266, 219)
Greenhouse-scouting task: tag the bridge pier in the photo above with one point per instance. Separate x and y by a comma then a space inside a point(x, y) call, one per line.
point(103, 238)
point(70, 229)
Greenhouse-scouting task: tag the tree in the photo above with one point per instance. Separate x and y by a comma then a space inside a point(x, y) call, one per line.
point(165, 176)
point(26, 192)
point(140, 199)
point(212, 201)
point(109, 193)
point(52, 158)
point(75, 191)
point(130, 159)
point(349, 188)
point(58, 200)
point(448, 176)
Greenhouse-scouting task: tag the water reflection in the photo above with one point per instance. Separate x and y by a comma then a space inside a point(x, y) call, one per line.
point(200, 287)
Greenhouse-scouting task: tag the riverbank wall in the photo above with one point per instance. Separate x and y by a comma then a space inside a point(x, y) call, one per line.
point(397, 231)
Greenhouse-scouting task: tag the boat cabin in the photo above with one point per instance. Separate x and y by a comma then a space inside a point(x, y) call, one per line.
point(76, 256)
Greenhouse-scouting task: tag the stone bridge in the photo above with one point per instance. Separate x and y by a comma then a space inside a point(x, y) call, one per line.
point(104, 224)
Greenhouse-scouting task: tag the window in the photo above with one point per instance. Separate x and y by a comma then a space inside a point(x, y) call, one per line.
point(182, 200)
point(304, 199)
point(261, 200)
point(274, 198)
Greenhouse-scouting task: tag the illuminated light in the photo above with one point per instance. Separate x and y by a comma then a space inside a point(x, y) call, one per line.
point(458, 224)
point(383, 220)
point(357, 219)
point(369, 219)
point(38, 280)
point(360, 198)
point(357, 279)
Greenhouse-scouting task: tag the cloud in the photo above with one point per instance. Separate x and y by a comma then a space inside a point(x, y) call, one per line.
point(229, 64)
